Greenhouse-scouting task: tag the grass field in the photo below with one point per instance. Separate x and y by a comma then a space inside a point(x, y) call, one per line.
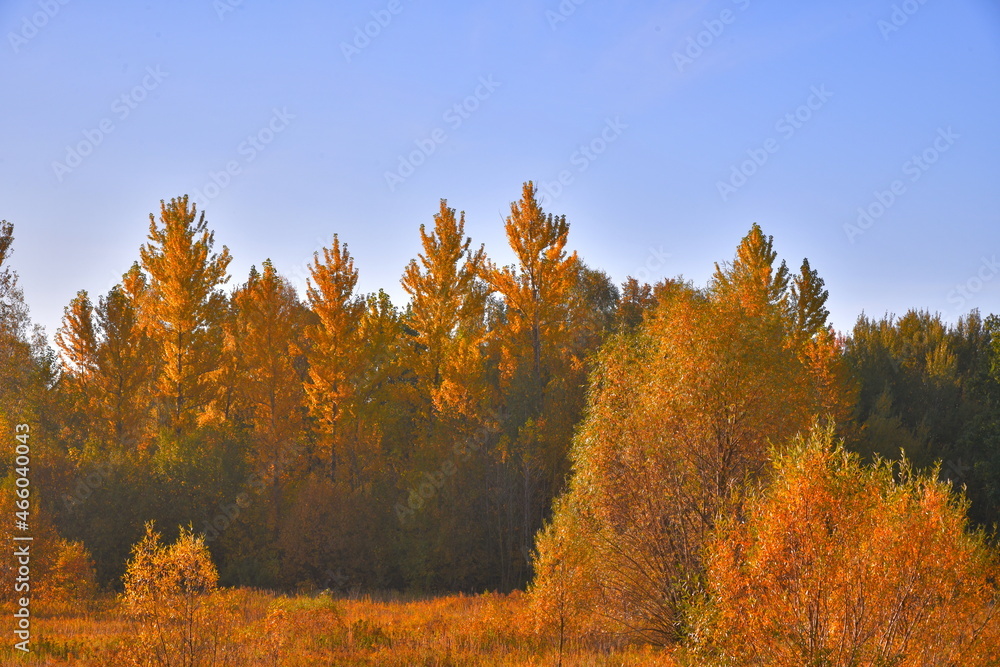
point(247, 627)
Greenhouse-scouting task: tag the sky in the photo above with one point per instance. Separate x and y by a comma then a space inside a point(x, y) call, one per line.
point(861, 134)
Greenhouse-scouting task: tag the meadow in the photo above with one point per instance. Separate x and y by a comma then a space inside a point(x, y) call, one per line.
point(252, 627)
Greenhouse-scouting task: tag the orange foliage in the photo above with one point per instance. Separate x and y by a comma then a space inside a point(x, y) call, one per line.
point(184, 309)
point(334, 348)
point(681, 416)
point(834, 563)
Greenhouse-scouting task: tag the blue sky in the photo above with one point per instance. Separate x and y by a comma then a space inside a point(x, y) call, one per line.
point(672, 126)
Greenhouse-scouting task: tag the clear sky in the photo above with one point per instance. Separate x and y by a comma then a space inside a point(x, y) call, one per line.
point(672, 125)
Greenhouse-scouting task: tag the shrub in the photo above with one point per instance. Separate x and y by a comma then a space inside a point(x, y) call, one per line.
point(168, 592)
point(834, 563)
point(72, 577)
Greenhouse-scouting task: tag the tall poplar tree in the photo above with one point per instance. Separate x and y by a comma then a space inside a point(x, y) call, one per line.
point(751, 277)
point(446, 313)
point(127, 367)
point(334, 351)
point(446, 319)
point(269, 320)
point(534, 337)
point(76, 339)
point(184, 309)
point(809, 297)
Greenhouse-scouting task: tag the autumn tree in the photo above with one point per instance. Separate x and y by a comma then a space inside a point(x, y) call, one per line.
point(184, 310)
point(354, 380)
point(838, 563)
point(28, 367)
point(445, 314)
point(169, 593)
point(751, 279)
point(111, 363)
point(680, 416)
point(450, 398)
point(76, 339)
point(127, 368)
point(534, 340)
point(334, 352)
point(537, 289)
point(18, 363)
point(31, 413)
point(636, 300)
point(269, 320)
point(77, 342)
point(808, 301)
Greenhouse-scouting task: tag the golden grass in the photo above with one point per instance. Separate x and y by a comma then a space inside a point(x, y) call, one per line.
point(261, 628)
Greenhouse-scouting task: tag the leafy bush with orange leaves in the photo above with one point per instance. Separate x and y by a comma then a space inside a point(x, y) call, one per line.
point(72, 579)
point(169, 593)
point(679, 419)
point(836, 563)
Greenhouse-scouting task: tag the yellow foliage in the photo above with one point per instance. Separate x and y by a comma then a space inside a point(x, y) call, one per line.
point(838, 564)
point(184, 309)
point(169, 595)
point(72, 577)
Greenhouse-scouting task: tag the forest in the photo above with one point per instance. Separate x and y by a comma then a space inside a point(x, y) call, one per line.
point(522, 464)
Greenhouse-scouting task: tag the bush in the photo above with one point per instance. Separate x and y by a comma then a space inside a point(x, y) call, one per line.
point(835, 563)
point(168, 592)
point(72, 577)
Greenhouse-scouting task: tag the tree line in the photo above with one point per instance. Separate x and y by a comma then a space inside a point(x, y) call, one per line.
point(337, 440)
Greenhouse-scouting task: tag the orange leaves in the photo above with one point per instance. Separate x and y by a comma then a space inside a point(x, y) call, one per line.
point(267, 342)
point(111, 363)
point(836, 562)
point(331, 288)
point(185, 309)
point(72, 579)
point(157, 574)
point(334, 351)
point(682, 415)
point(536, 291)
point(76, 338)
point(751, 278)
point(447, 317)
point(179, 616)
point(441, 282)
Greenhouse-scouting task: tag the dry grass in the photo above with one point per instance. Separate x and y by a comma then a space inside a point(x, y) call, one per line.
point(260, 628)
